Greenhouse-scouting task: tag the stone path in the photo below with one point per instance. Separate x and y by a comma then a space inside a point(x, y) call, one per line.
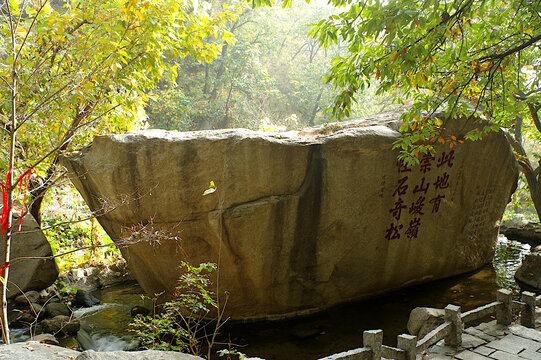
point(491, 341)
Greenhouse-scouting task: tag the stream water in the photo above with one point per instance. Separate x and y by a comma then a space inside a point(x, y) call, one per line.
point(104, 327)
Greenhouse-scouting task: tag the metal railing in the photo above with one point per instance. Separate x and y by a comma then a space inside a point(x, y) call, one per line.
point(450, 331)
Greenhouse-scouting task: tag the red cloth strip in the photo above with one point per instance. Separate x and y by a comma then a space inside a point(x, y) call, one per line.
point(5, 209)
point(2, 268)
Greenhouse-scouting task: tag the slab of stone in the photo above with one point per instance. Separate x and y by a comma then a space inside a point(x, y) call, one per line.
point(479, 334)
point(530, 354)
point(46, 339)
point(29, 274)
point(54, 309)
point(31, 296)
point(441, 349)
point(484, 350)
point(33, 350)
point(525, 332)
point(298, 221)
point(492, 328)
point(431, 356)
point(510, 344)
point(503, 355)
point(61, 324)
point(355, 354)
point(469, 355)
point(528, 275)
point(523, 231)
point(423, 320)
point(470, 341)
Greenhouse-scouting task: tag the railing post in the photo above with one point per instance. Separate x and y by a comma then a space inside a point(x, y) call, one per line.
point(527, 315)
point(504, 312)
point(374, 340)
point(452, 314)
point(408, 343)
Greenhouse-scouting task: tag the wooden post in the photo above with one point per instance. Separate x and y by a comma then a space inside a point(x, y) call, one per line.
point(408, 343)
point(374, 340)
point(527, 315)
point(504, 312)
point(452, 314)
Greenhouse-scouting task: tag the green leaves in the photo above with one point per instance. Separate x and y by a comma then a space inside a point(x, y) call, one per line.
point(460, 57)
point(181, 324)
point(89, 68)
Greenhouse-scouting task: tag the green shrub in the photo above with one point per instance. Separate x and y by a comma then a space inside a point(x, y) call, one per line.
point(182, 324)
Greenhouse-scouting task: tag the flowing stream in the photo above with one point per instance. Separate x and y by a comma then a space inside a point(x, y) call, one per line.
point(104, 327)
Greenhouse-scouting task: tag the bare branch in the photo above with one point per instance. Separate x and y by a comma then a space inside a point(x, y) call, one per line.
point(511, 51)
point(524, 96)
point(29, 28)
point(5, 81)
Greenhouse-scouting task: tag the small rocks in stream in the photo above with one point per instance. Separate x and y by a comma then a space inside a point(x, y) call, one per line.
point(54, 309)
point(46, 339)
point(28, 297)
point(23, 318)
point(139, 310)
point(61, 324)
point(85, 299)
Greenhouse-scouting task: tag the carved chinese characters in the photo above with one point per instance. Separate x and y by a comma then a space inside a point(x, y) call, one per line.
point(416, 199)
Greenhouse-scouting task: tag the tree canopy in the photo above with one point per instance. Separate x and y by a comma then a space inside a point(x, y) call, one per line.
point(83, 68)
point(459, 56)
point(270, 74)
point(462, 57)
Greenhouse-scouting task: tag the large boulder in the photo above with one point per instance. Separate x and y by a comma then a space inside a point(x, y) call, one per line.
point(423, 320)
point(298, 221)
point(32, 266)
point(523, 231)
point(528, 275)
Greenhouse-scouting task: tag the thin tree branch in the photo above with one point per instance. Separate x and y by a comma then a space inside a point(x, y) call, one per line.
point(5, 81)
point(29, 28)
point(511, 51)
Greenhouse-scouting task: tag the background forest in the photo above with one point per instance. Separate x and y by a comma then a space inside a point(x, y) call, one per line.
point(270, 74)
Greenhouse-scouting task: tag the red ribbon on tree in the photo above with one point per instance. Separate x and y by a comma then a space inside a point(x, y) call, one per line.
point(24, 179)
point(2, 268)
point(5, 209)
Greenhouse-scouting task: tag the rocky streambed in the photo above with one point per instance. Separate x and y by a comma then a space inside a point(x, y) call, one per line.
point(312, 337)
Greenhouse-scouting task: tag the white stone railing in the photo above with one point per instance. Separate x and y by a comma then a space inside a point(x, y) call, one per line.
point(450, 331)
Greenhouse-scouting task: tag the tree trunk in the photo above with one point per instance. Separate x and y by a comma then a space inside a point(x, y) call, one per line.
point(35, 204)
point(532, 175)
point(206, 86)
point(7, 209)
point(219, 74)
point(38, 189)
point(315, 109)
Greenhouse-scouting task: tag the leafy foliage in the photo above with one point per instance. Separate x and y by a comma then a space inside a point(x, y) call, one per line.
point(181, 326)
point(271, 72)
point(474, 58)
point(88, 67)
point(68, 225)
point(462, 57)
